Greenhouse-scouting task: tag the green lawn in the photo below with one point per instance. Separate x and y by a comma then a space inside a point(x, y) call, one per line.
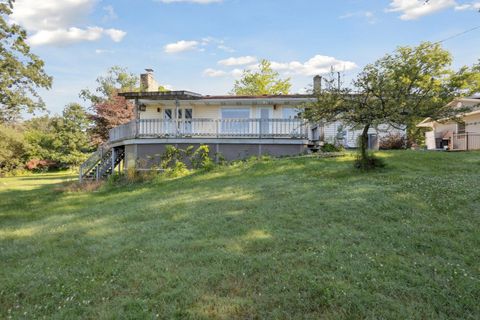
point(297, 238)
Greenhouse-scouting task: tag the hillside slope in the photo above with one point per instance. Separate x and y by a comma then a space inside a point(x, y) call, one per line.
point(280, 239)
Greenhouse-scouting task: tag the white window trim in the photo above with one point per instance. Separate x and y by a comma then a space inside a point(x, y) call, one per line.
point(220, 110)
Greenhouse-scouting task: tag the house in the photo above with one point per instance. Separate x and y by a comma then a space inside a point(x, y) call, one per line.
point(461, 133)
point(234, 127)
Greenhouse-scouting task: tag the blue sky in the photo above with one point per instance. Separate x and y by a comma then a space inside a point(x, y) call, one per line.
point(202, 45)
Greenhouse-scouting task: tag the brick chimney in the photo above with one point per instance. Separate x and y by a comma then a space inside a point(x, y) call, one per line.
point(317, 84)
point(147, 81)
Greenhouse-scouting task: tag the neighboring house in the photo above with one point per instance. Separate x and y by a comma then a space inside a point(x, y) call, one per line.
point(235, 127)
point(461, 133)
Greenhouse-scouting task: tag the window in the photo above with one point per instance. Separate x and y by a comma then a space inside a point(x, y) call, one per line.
point(168, 114)
point(291, 113)
point(461, 128)
point(239, 123)
point(236, 113)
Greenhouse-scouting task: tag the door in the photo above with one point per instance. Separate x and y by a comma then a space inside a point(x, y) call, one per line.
point(265, 125)
point(187, 121)
point(373, 143)
point(168, 122)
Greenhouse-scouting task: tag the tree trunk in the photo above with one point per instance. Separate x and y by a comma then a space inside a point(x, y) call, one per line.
point(364, 145)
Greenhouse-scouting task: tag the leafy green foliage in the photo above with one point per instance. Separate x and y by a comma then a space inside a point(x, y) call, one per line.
point(201, 158)
point(264, 82)
point(22, 72)
point(398, 89)
point(64, 139)
point(13, 149)
point(330, 147)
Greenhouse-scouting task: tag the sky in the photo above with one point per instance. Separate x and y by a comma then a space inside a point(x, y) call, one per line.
point(203, 45)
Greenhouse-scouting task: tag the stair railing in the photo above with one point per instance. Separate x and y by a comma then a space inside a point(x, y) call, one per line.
point(91, 162)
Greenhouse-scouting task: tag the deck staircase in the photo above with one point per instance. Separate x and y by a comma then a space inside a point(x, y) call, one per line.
point(101, 164)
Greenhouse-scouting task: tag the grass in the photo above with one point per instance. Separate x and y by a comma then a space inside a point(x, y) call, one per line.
point(299, 238)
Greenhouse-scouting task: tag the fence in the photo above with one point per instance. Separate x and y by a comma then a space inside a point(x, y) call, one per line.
point(466, 141)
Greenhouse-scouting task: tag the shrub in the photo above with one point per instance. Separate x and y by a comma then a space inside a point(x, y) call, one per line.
point(179, 169)
point(13, 149)
point(201, 158)
point(329, 147)
point(392, 142)
point(41, 165)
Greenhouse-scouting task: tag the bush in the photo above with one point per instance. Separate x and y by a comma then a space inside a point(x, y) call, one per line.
point(201, 159)
point(13, 150)
point(393, 142)
point(41, 165)
point(329, 147)
point(179, 169)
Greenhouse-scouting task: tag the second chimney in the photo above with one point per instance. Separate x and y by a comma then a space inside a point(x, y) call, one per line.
point(147, 81)
point(317, 84)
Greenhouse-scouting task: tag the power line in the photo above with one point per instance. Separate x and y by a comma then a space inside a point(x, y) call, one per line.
point(458, 34)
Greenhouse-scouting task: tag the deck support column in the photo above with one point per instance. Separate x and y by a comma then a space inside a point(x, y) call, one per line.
point(113, 161)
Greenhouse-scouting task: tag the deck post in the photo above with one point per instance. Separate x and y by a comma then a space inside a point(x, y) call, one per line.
point(466, 141)
point(113, 161)
point(80, 177)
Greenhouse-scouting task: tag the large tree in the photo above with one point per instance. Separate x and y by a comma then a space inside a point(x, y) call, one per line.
point(110, 109)
point(22, 72)
point(398, 89)
point(264, 81)
point(60, 139)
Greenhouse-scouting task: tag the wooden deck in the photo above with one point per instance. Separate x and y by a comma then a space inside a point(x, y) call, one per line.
point(211, 128)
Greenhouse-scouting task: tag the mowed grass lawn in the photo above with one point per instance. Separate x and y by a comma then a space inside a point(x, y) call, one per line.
point(297, 238)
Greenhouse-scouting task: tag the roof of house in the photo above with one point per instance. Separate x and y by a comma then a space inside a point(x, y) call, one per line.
point(187, 95)
point(427, 122)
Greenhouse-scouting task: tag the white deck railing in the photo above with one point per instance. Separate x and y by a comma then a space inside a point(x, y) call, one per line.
point(211, 128)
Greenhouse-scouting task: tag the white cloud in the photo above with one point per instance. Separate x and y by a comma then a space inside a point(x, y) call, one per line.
point(191, 1)
point(53, 22)
point(102, 51)
point(414, 9)
point(49, 15)
point(367, 15)
point(468, 6)
point(225, 48)
point(240, 61)
point(212, 73)
point(110, 13)
point(115, 34)
point(73, 35)
point(319, 64)
point(181, 46)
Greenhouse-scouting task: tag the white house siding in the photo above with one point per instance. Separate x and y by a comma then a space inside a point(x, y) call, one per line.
point(472, 123)
point(331, 131)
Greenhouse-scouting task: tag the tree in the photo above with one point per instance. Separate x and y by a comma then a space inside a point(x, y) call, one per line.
point(22, 71)
point(110, 109)
point(13, 149)
point(109, 114)
point(400, 88)
point(264, 82)
point(63, 140)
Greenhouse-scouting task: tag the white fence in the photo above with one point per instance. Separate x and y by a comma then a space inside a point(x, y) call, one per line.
point(223, 128)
